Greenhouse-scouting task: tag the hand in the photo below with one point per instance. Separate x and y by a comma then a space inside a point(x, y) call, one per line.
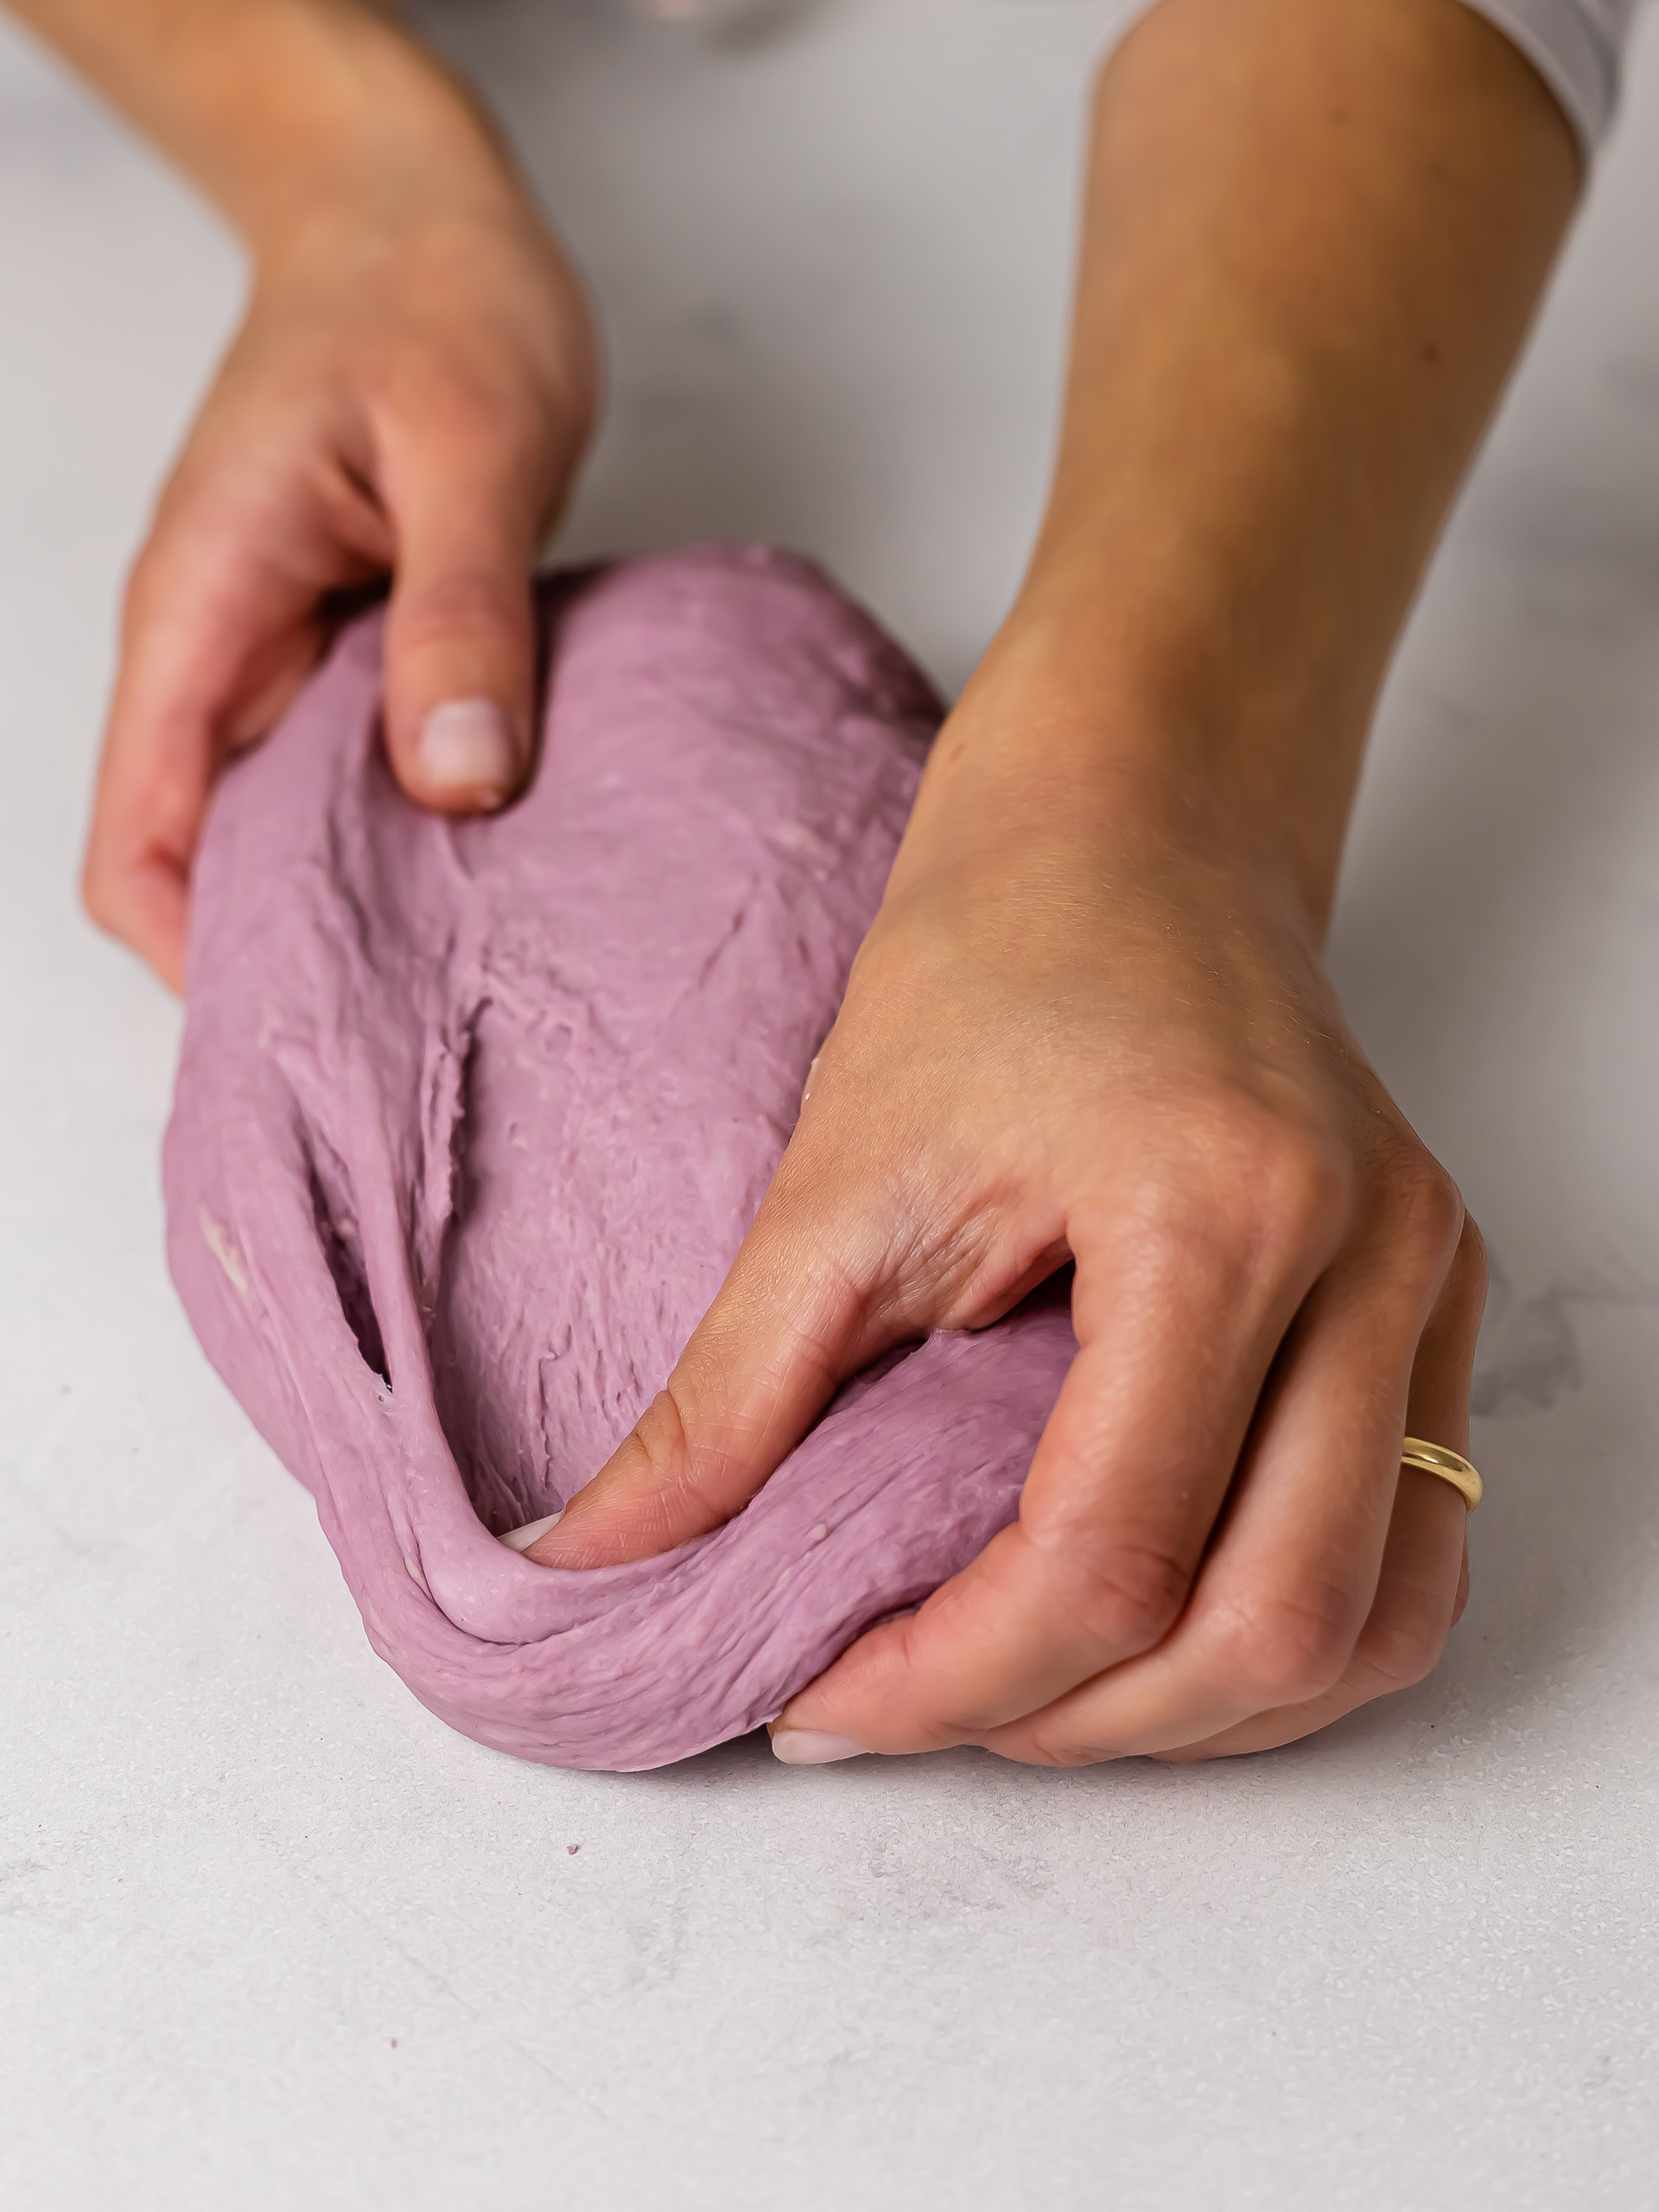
point(1083, 1026)
point(409, 394)
point(1089, 1020)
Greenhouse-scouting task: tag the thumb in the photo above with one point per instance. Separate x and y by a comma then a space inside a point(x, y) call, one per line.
point(788, 1326)
point(460, 639)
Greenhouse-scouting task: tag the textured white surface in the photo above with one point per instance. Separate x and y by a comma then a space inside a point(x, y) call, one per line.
point(269, 1936)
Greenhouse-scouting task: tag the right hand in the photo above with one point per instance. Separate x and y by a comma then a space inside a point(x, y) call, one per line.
point(409, 394)
point(1090, 1024)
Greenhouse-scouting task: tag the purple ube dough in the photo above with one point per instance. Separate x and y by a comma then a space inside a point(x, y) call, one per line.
point(471, 1119)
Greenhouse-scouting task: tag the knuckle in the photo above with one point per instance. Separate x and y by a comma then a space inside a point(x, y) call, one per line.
point(659, 1462)
point(1041, 1749)
point(1302, 1185)
point(660, 1435)
point(1409, 1656)
point(1402, 1644)
point(1285, 1651)
point(471, 597)
point(1130, 1594)
point(451, 431)
point(1426, 1210)
point(1266, 1183)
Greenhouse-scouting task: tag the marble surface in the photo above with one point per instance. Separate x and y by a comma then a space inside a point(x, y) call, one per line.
point(271, 1937)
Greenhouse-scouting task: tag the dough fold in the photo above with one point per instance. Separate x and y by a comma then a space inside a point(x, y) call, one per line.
point(471, 1118)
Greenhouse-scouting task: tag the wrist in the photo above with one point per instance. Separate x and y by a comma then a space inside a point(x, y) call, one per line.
point(1089, 718)
point(293, 115)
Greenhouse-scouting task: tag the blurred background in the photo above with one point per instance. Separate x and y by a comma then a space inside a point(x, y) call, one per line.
point(268, 1933)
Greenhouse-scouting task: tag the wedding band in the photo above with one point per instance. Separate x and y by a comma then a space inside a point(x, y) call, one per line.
point(1450, 1467)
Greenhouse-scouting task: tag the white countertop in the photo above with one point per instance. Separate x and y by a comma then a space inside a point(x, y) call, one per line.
point(270, 1934)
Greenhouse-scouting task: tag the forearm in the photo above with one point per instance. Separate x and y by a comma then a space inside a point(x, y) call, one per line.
point(283, 110)
point(1315, 235)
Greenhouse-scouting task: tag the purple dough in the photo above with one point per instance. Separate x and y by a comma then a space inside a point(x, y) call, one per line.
point(471, 1119)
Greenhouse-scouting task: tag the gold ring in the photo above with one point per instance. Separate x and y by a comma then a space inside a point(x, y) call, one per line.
point(1450, 1467)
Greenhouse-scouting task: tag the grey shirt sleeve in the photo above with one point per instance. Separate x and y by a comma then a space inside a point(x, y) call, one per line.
point(1576, 46)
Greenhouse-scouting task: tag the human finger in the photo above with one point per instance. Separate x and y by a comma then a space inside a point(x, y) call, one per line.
point(1184, 1291)
point(849, 1253)
point(219, 633)
point(1293, 1573)
point(1424, 1582)
point(467, 509)
point(793, 1319)
point(1403, 1636)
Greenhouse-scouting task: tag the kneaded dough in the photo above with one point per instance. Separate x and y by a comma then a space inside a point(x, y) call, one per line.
point(471, 1119)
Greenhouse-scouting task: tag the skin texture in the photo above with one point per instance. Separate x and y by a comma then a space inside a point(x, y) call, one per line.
point(1089, 1019)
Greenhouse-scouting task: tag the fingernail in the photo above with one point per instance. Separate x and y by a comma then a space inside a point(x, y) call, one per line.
point(520, 1540)
point(808, 1747)
point(464, 746)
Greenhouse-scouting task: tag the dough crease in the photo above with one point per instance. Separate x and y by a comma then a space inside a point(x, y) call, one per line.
point(471, 1118)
